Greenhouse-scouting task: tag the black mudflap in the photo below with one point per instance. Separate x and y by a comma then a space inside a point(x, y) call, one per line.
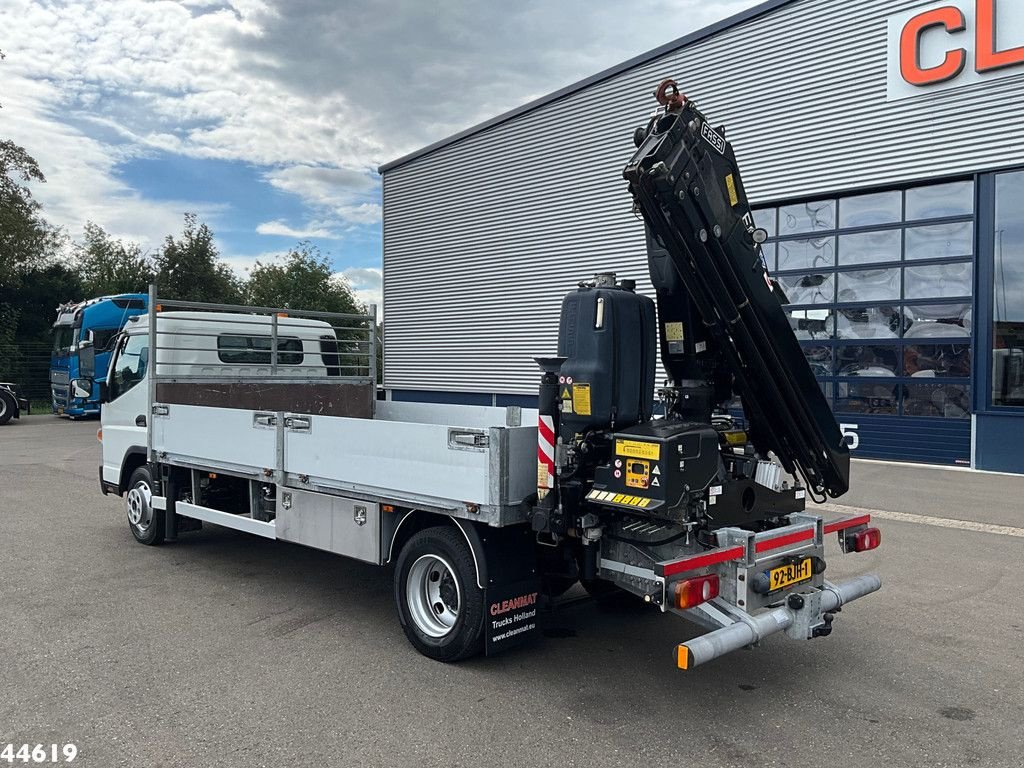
point(512, 616)
point(512, 586)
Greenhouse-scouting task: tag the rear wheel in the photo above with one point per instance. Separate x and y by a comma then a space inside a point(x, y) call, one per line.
point(439, 603)
point(146, 523)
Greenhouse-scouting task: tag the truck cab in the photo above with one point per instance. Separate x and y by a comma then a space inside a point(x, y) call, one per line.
point(197, 347)
point(83, 338)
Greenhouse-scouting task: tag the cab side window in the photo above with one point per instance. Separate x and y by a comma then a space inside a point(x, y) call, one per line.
point(102, 338)
point(130, 366)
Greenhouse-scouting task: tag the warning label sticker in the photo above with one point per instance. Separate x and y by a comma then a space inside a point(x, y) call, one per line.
point(637, 450)
point(620, 498)
point(581, 399)
point(730, 184)
point(674, 331)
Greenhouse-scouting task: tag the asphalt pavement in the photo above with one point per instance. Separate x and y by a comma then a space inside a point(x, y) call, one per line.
point(229, 650)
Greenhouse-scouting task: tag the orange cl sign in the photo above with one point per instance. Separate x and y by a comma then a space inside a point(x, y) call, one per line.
point(951, 19)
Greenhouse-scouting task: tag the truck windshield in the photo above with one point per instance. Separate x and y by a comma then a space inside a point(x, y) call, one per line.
point(130, 364)
point(63, 336)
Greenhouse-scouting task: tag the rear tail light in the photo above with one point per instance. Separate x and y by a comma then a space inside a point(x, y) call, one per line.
point(692, 592)
point(863, 540)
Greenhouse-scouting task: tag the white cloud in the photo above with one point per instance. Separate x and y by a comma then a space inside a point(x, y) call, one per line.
point(367, 285)
point(278, 227)
point(347, 194)
point(314, 93)
point(82, 183)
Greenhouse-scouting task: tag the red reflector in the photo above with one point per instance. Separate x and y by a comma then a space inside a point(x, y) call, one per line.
point(693, 592)
point(869, 538)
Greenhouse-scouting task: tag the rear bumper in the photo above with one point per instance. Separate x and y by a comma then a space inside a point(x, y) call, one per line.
point(747, 608)
point(810, 616)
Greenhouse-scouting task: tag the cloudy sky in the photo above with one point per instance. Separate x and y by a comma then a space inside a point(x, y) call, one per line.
point(269, 117)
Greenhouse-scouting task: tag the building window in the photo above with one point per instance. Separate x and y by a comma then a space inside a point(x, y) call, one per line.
point(1008, 301)
point(880, 288)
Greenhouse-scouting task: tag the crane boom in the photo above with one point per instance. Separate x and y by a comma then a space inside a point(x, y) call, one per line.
point(721, 323)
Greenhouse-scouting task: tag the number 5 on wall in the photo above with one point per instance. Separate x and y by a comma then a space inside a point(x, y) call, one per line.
point(850, 435)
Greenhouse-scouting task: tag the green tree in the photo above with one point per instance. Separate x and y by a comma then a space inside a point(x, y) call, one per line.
point(189, 268)
point(26, 239)
point(301, 279)
point(109, 266)
point(26, 340)
point(27, 243)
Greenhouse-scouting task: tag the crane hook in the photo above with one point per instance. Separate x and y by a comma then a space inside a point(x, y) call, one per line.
point(668, 95)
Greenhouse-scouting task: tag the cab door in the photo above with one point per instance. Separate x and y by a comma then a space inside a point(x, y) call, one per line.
point(124, 417)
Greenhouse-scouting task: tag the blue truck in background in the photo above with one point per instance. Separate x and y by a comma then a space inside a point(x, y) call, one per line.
point(83, 337)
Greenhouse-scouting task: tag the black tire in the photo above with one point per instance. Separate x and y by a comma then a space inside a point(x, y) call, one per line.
point(8, 406)
point(439, 560)
point(146, 523)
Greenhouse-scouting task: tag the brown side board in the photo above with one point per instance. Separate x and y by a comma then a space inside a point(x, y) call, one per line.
point(333, 399)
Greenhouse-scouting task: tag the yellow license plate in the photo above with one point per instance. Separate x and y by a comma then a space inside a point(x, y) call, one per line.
point(788, 575)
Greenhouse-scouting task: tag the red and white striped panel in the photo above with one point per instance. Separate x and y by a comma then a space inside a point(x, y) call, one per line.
point(545, 455)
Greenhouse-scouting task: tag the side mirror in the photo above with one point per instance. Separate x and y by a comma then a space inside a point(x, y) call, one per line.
point(81, 388)
point(87, 359)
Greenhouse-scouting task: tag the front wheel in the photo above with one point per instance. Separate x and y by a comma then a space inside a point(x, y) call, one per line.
point(147, 524)
point(439, 603)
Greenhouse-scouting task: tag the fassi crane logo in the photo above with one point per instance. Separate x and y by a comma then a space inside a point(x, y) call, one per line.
point(955, 43)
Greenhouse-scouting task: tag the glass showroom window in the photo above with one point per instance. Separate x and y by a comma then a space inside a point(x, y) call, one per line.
point(1008, 301)
point(880, 288)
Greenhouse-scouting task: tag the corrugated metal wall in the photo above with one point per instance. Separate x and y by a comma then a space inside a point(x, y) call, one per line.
point(482, 238)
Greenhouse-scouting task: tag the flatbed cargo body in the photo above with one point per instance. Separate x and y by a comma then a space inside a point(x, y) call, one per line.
point(463, 460)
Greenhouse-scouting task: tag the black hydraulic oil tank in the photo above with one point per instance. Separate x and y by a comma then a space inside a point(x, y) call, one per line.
point(607, 336)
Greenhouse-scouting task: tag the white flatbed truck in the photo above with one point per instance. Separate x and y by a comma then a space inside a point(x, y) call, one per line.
point(268, 421)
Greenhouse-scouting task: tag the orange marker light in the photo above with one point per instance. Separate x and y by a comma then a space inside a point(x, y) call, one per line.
point(99, 434)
